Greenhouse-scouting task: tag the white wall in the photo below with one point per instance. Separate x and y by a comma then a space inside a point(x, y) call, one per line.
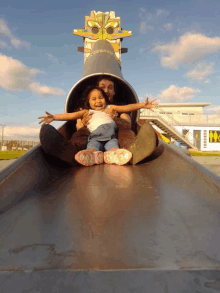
point(205, 144)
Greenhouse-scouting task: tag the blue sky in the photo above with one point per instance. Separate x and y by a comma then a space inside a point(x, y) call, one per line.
point(173, 54)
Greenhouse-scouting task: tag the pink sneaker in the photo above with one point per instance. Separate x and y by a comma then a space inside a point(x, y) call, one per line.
point(119, 157)
point(91, 159)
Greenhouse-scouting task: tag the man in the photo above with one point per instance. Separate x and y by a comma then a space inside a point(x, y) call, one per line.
point(141, 145)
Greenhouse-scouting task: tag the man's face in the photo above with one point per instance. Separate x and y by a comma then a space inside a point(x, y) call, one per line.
point(108, 88)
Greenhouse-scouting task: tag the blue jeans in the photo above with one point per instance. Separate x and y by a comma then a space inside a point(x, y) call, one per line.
point(103, 145)
point(103, 138)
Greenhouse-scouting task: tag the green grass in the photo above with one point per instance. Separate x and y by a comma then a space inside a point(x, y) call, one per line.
point(205, 154)
point(11, 154)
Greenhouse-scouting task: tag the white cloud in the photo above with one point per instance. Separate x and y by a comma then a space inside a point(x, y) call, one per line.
point(45, 90)
point(143, 10)
point(173, 94)
point(15, 42)
point(212, 108)
point(16, 76)
point(3, 44)
point(150, 27)
point(214, 116)
point(168, 26)
point(176, 94)
point(150, 97)
point(144, 27)
point(189, 48)
point(141, 51)
point(51, 57)
point(18, 132)
point(150, 21)
point(162, 12)
point(4, 30)
point(201, 71)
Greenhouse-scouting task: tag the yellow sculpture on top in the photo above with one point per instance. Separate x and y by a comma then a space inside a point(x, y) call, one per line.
point(102, 26)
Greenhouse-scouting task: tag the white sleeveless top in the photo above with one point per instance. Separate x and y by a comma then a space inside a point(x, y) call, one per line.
point(98, 118)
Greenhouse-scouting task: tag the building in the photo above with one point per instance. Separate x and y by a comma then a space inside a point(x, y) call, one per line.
point(187, 123)
point(13, 144)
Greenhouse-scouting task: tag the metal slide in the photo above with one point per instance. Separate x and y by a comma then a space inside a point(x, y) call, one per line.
point(152, 227)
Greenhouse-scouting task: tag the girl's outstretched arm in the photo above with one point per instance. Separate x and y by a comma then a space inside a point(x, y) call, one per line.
point(133, 107)
point(48, 118)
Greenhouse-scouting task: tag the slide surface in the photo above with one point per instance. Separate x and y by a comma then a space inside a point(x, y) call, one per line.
point(110, 228)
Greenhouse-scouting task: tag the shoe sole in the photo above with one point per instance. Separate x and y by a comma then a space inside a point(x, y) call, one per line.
point(119, 157)
point(95, 158)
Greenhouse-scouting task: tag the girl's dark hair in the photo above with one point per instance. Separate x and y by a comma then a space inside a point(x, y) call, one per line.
point(85, 98)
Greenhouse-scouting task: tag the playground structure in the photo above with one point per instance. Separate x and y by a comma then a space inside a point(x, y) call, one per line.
point(152, 227)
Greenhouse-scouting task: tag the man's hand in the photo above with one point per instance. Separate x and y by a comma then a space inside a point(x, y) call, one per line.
point(86, 118)
point(149, 104)
point(46, 119)
point(84, 121)
point(111, 112)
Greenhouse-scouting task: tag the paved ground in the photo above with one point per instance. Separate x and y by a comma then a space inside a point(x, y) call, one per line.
point(207, 160)
point(211, 163)
point(5, 163)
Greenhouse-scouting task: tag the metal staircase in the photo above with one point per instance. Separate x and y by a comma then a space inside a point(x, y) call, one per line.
point(167, 128)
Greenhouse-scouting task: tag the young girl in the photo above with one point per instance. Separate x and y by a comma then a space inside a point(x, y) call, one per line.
point(102, 128)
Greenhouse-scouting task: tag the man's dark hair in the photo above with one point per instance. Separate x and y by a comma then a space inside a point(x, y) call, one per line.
point(85, 98)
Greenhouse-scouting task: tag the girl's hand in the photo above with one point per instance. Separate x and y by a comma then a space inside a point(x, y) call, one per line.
point(150, 104)
point(46, 119)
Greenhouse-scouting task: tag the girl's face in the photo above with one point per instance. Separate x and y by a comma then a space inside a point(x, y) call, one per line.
point(96, 100)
